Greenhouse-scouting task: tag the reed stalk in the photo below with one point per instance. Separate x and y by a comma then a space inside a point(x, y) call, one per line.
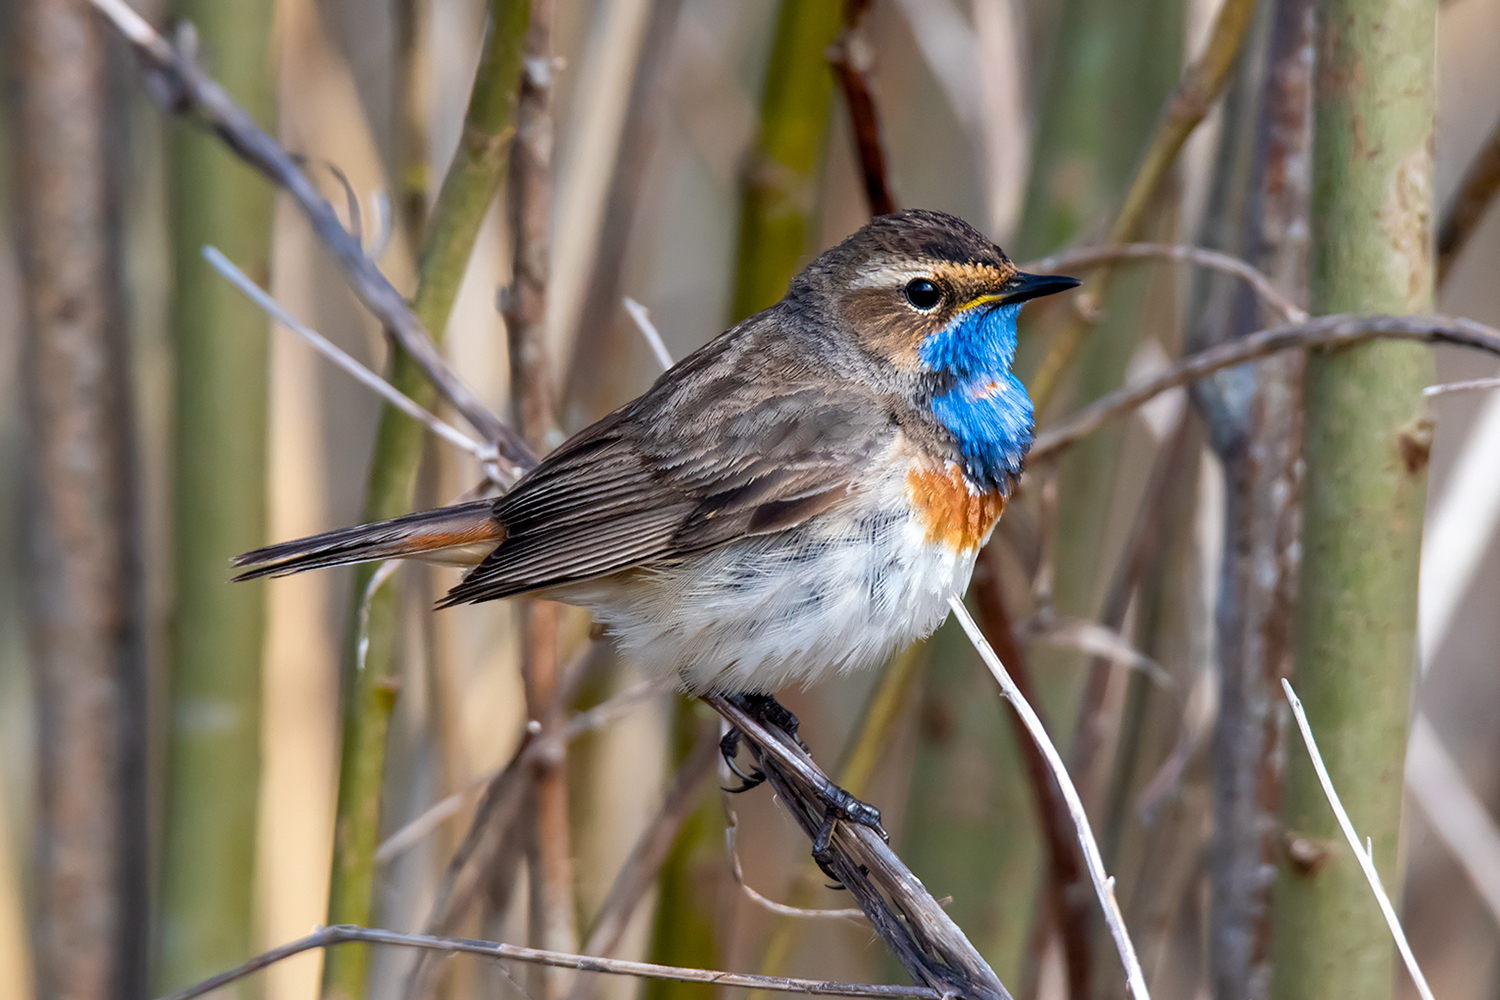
point(1365, 442)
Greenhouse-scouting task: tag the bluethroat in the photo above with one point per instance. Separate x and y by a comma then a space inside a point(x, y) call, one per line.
point(795, 498)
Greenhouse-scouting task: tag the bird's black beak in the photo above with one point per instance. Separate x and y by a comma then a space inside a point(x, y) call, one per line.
point(1030, 286)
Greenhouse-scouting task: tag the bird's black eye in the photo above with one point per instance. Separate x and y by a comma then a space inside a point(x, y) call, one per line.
point(923, 294)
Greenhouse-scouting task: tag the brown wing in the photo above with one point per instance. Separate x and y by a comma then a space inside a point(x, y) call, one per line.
point(693, 464)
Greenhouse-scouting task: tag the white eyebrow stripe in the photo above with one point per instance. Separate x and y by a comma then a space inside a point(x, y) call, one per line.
point(889, 275)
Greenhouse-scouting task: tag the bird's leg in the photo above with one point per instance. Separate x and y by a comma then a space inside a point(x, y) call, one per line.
point(837, 803)
point(769, 712)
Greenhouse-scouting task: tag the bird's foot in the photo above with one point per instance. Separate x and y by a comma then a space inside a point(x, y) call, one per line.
point(839, 804)
point(729, 749)
point(769, 712)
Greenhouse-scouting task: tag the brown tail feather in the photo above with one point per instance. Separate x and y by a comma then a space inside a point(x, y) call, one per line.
point(463, 535)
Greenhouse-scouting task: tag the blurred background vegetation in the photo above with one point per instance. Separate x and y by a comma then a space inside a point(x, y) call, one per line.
point(170, 754)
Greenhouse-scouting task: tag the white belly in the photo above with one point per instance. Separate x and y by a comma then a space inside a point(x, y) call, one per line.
point(763, 613)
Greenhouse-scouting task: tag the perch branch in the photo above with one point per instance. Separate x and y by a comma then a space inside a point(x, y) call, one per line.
point(924, 939)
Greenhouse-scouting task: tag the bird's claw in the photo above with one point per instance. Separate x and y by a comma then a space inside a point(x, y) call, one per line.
point(729, 748)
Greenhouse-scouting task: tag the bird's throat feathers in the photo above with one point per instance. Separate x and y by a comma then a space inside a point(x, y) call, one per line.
point(982, 403)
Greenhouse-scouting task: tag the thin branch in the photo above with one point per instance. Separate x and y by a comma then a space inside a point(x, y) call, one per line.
point(731, 833)
point(1196, 91)
point(642, 868)
point(430, 818)
point(642, 318)
point(343, 933)
point(1070, 911)
point(552, 913)
point(1469, 385)
point(1087, 257)
point(183, 88)
point(1366, 863)
point(1097, 639)
point(1104, 884)
point(851, 59)
point(1467, 207)
point(344, 360)
point(1338, 330)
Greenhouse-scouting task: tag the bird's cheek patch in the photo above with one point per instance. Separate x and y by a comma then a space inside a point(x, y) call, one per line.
point(951, 512)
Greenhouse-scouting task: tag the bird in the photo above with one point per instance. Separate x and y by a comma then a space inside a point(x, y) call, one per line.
point(795, 499)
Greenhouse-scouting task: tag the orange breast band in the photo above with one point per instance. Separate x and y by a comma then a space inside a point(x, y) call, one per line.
point(952, 512)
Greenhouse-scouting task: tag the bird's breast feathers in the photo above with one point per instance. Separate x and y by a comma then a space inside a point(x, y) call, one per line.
point(950, 509)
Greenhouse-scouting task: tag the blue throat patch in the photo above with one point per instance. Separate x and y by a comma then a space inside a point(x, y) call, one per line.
point(987, 408)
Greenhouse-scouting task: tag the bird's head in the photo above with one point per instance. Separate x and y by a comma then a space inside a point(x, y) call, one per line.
point(929, 295)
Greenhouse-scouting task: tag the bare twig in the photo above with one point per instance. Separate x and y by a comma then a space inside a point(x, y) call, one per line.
point(781, 909)
point(1468, 385)
point(1087, 257)
point(1196, 91)
point(1338, 330)
point(533, 390)
point(341, 934)
point(641, 868)
point(1067, 866)
point(642, 318)
point(1096, 639)
point(614, 140)
point(1154, 518)
point(731, 836)
point(925, 940)
point(1257, 435)
point(183, 88)
point(1104, 884)
point(344, 360)
point(1468, 205)
point(491, 843)
point(1366, 863)
point(850, 57)
point(428, 820)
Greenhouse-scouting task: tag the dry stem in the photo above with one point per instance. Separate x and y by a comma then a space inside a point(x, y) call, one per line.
point(1088, 257)
point(850, 58)
point(559, 960)
point(1468, 204)
point(183, 88)
point(1104, 884)
point(1338, 330)
point(1366, 863)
